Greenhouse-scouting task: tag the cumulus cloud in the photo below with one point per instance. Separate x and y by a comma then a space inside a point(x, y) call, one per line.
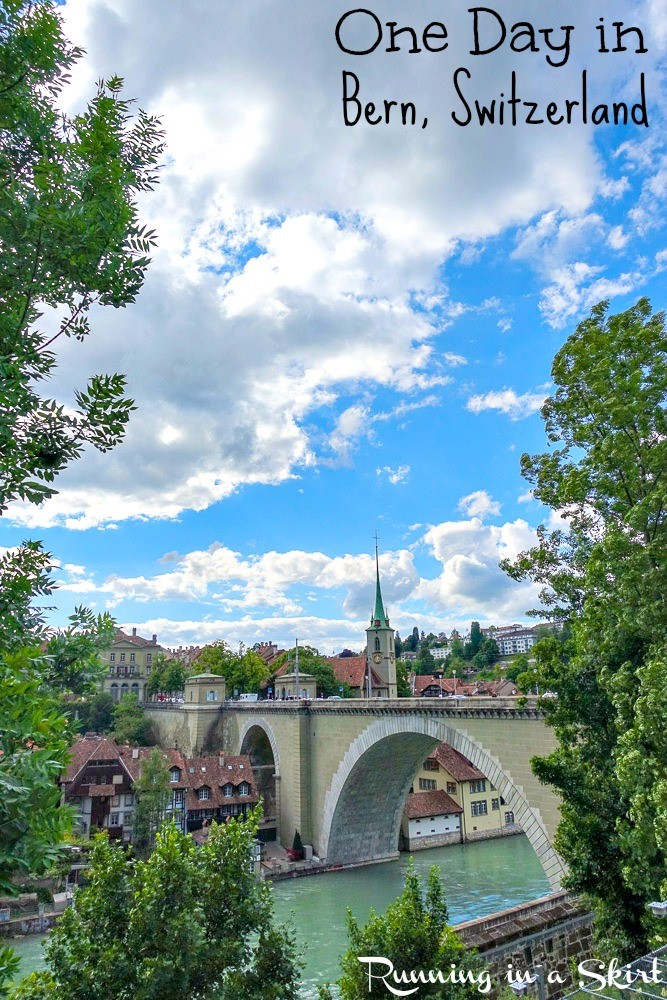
point(263, 596)
point(471, 578)
point(507, 401)
point(479, 504)
point(299, 262)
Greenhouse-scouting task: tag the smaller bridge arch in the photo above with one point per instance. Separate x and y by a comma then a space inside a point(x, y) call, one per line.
point(364, 802)
point(257, 737)
point(258, 742)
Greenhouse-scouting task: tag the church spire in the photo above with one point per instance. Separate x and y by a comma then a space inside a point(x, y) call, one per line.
point(379, 614)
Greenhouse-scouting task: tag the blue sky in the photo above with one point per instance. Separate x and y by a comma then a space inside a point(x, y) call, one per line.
point(344, 329)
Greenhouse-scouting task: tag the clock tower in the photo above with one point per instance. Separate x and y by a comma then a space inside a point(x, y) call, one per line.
point(380, 653)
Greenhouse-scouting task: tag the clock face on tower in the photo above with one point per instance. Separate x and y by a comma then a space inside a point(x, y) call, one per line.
point(377, 657)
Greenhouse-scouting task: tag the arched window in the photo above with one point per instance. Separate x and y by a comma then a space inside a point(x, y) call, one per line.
point(123, 689)
point(114, 692)
point(377, 643)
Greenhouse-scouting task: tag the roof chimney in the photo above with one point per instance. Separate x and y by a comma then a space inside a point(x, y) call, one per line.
point(134, 631)
point(135, 753)
point(154, 637)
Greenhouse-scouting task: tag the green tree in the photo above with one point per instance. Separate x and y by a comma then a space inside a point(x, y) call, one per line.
point(604, 575)
point(243, 672)
point(72, 664)
point(426, 663)
point(152, 790)
point(34, 742)
point(487, 652)
point(402, 685)
point(92, 714)
point(518, 666)
point(476, 639)
point(167, 676)
point(310, 662)
point(71, 238)
point(130, 724)
point(187, 922)
point(411, 934)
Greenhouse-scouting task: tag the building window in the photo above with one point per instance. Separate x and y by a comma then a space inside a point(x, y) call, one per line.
point(149, 657)
point(128, 800)
point(228, 791)
point(204, 793)
point(112, 657)
point(178, 797)
point(244, 788)
point(478, 808)
point(431, 765)
point(509, 818)
point(478, 786)
point(495, 803)
point(377, 643)
point(114, 819)
point(122, 657)
point(131, 669)
point(127, 818)
point(132, 657)
point(175, 774)
point(211, 696)
point(451, 788)
point(427, 784)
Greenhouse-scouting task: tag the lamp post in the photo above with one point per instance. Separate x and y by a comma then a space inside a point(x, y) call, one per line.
point(296, 668)
point(456, 697)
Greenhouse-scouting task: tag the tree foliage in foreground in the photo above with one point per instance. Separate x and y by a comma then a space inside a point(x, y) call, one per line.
point(412, 934)
point(71, 237)
point(187, 922)
point(605, 575)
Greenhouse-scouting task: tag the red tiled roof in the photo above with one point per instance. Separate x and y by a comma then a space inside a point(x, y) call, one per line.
point(137, 640)
point(352, 670)
point(445, 684)
point(494, 688)
point(90, 748)
point(455, 763)
point(438, 803)
point(214, 772)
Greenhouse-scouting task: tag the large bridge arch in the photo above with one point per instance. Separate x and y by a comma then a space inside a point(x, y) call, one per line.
point(364, 802)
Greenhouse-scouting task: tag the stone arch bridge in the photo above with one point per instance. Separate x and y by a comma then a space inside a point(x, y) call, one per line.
point(343, 768)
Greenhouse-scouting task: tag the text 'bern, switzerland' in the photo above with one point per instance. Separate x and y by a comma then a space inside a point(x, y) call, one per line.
point(360, 32)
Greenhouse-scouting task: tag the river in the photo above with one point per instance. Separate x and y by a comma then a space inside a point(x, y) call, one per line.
point(479, 879)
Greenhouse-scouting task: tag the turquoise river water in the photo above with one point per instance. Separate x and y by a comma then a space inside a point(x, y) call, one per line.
point(479, 879)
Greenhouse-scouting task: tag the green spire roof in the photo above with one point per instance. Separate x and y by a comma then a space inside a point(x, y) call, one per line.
point(379, 612)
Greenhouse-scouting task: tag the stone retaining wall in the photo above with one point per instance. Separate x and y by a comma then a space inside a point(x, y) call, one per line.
point(555, 932)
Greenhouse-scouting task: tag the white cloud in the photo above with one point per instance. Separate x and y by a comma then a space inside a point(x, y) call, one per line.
point(292, 251)
point(507, 401)
point(395, 476)
point(479, 504)
point(471, 579)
